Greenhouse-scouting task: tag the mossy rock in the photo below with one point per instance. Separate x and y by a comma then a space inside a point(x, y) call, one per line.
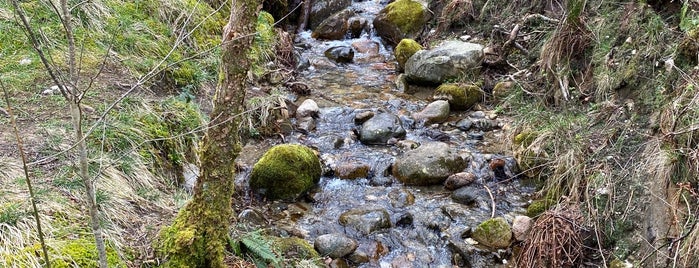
point(502, 89)
point(460, 96)
point(495, 233)
point(539, 206)
point(531, 161)
point(401, 19)
point(405, 49)
point(263, 46)
point(294, 248)
point(285, 172)
point(83, 253)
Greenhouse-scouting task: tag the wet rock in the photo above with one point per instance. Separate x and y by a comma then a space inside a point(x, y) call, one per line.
point(366, 221)
point(340, 54)
point(477, 114)
point(352, 170)
point(252, 217)
point(322, 9)
point(459, 96)
point(494, 233)
point(484, 124)
point(366, 46)
point(401, 197)
point(334, 245)
point(435, 112)
point(285, 172)
point(402, 83)
point(478, 135)
point(520, 227)
point(464, 124)
point(454, 211)
point(334, 27)
point(380, 128)
point(449, 60)
point(308, 108)
point(466, 196)
point(437, 221)
point(407, 145)
point(329, 142)
point(368, 252)
point(357, 25)
point(362, 117)
point(458, 180)
point(404, 50)
point(403, 261)
point(401, 19)
point(294, 247)
point(405, 220)
point(380, 181)
point(429, 164)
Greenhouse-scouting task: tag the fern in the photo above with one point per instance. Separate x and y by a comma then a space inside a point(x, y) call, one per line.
point(261, 250)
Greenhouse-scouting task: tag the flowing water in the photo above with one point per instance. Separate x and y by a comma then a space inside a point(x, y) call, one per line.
point(425, 232)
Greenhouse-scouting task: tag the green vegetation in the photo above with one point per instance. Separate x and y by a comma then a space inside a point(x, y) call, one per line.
point(82, 253)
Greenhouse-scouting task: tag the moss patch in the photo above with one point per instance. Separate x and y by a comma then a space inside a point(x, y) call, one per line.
point(285, 172)
point(539, 206)
point(460, 96)
point(404, 50)
point(83, 253)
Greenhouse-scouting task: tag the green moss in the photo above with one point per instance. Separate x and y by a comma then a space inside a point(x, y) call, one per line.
point(495, 233)
point(404, 50)
point(525, 138)
point(180, 244)
point(408, 15)
point(285, 171)
point(539, 206)
point(460, 96)
point(83, 253)
point(266, 39)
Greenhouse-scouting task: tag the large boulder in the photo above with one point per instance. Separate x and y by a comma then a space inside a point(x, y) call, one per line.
point(494, 233)
point(429, 164)
point(459, 96)
point(404, 50)
point(334, 27)
point(449, 60)
point(366, 221)
point(322, 9)
point(401, 19)
point(285, 172)
point(380, 128)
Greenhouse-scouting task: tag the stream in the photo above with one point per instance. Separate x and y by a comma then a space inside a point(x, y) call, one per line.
point(428, 228)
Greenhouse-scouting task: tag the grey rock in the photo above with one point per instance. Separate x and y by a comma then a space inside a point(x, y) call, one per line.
point(464, 124)
point(380, 128)
point(458, 180)
point(449, 60)
point(429, 164)
point(334, 245)
point(520, 227)
point(435, 112)
point(366, 221)
point(466, 196)
point(308, 108)
point(401, 197)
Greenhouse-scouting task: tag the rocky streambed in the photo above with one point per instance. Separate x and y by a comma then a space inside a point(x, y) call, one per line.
point(408, 175)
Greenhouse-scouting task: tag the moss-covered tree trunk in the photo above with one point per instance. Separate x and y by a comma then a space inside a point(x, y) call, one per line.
point(199, 235)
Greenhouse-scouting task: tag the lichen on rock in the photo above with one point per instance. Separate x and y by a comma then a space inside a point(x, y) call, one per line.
point(494, 233)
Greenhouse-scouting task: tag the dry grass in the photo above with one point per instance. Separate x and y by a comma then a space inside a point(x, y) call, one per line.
point(556, 239)
point(455, 11)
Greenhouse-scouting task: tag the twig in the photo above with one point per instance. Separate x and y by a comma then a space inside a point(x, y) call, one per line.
point(20, 147)
point(492, 201)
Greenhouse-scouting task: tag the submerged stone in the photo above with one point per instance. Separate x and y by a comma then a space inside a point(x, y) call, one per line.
point(429, 164)
point(366, 221)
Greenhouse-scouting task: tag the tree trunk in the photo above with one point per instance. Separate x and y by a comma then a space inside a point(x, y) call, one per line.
point(199, 235)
